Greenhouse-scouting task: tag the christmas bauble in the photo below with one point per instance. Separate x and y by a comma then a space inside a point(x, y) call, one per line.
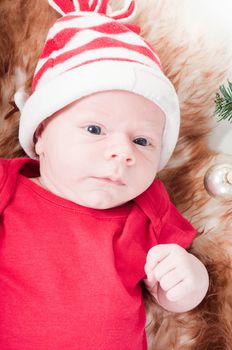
point(218, 180)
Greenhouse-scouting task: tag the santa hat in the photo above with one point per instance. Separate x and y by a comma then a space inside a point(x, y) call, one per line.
point(92, 49)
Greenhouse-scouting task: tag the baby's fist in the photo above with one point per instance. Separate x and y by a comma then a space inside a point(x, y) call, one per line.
point(176, 272)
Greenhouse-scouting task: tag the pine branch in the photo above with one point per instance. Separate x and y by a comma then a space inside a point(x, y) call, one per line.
point(223, 102)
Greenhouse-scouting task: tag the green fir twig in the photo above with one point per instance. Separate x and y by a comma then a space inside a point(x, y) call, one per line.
point(223, 102)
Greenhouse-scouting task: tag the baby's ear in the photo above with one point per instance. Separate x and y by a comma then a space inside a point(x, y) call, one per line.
point(37, 139)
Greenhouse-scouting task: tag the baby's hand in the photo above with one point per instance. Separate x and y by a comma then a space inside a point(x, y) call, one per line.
point(177, 273)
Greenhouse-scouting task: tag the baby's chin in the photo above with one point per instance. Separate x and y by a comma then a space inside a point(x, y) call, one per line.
point(100, 200)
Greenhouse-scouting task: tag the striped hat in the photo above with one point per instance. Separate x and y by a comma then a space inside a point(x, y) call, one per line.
point(91, 49)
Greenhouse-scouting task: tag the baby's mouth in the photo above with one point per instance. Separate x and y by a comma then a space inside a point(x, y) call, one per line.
point(110, 180)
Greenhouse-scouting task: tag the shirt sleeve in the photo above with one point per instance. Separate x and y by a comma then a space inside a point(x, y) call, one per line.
point(175, 228)
point(9, 169)
point(166, 222)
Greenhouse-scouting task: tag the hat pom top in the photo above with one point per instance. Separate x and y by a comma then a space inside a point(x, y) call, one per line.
point(124, 15)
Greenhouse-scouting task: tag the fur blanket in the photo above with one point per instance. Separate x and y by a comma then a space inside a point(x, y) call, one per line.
point(192, 38)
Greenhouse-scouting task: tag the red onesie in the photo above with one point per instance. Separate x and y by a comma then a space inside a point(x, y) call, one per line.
point(70, 276)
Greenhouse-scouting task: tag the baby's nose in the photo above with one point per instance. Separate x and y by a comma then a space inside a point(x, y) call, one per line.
point(122, 150)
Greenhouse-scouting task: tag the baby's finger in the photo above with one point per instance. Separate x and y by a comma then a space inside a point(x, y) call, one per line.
point(151, 285)
point(170, 280)
point(150, 275)
point(158, 253)
point(179, 291)
point(164, 267)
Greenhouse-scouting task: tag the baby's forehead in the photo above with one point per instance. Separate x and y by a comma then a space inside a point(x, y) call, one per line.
point(118, 103)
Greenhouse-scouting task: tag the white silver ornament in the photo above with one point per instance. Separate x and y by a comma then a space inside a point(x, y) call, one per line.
point(218, 180)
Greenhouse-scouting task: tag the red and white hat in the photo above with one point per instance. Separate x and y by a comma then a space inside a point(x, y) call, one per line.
point(92, 49)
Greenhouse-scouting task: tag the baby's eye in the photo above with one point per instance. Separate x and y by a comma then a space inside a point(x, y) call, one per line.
point(94, 129)
point(141, 141)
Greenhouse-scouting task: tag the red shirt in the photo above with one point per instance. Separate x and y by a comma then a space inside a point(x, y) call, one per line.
point(70, 276)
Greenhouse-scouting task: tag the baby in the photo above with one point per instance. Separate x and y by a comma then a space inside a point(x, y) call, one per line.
point(87, 223)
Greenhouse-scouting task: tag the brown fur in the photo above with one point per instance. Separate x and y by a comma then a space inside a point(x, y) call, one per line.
point(23, 27)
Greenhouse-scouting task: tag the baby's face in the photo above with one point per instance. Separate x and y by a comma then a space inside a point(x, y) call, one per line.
point(102, 150)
